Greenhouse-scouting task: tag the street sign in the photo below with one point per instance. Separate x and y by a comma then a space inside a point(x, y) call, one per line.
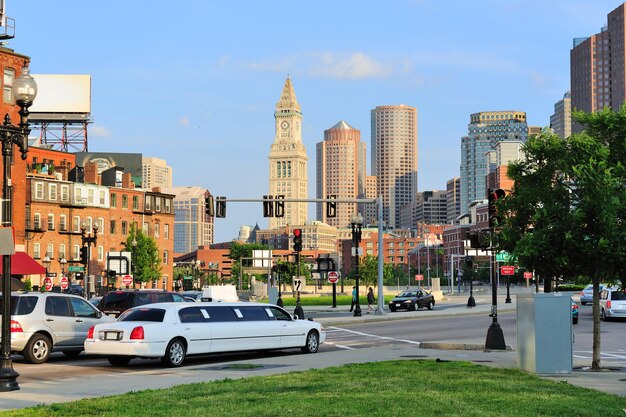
point(507, 270)
point(51, 274)
point(47, 284)
point(333, 277)
point(298, 283)
point(528, 275)
point(127, 280)
point(419, 277)
point(79, 268)
point(64, 283)
point(503, 257)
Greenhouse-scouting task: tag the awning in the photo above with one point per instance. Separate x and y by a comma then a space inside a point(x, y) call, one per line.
point(23, 264)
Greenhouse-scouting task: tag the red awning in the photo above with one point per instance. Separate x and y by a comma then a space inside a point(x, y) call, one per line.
point(23, 264)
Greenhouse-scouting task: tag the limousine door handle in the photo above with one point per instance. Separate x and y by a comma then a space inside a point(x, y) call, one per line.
point(187, 328)
point(79, 321)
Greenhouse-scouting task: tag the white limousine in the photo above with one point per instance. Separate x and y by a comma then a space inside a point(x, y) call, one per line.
point(171, 331)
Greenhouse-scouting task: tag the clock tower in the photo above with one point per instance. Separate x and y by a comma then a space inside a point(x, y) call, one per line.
point(288, 160)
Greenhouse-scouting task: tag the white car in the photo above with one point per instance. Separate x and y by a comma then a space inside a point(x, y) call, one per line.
point(45, 322)
point(612, 303)
point(171, 331)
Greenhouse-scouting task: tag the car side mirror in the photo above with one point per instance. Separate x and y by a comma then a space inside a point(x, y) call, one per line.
point(99, 314)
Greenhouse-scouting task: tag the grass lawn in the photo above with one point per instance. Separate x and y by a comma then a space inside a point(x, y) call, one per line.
point(326, 300)
point(394, 388)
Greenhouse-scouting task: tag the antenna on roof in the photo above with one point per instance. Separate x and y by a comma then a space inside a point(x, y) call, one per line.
point(7, 24)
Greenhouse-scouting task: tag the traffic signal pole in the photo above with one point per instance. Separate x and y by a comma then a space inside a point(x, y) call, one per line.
point(378, 201)
point(495, 337)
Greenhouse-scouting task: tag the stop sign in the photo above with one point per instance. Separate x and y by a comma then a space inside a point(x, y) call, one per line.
point(47, 282)
point(127, 280)
point(64, 283)
point(333, 277)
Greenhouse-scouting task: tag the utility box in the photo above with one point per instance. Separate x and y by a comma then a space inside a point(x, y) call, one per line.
point(544, 333)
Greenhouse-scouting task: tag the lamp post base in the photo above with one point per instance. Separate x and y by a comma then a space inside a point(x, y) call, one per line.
point(357, 311)
point(471, 302)
point(495, 338)
point(8, 377)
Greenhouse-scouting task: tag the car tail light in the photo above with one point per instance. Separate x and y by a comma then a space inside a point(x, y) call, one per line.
point(582, 293)
point(16, 327)
point(608, 304)
point(137, 333)
point(90, 332)
point(574, 306)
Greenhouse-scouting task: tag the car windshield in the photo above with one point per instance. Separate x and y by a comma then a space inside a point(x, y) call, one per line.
point(143, 314)
point(407, 294)
point(21, 305)
point(618, 295)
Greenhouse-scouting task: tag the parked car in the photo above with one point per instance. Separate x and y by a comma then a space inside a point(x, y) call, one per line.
point(412, 300)
point(196, 295)
point(75, 289)
point(95, 300)
point(155, 331)
point(45, 322)
point(116, 302)
point(574, 312)
point(612, 303)
point(586, 295)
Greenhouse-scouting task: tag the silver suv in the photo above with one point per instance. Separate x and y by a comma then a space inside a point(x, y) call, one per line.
point(613, 303)
point(46, 322)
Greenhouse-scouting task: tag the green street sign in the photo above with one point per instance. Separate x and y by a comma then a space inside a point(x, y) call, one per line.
point(503, 257)
point(75, 268)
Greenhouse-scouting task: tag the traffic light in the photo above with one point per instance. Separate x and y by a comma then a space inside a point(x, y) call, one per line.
point(297, 240)
point(268, 206)
point(469, 262)
point(331, 207)
point(279, 206)
point(208, 206)
point(494, 196)
point(220, 207)
point(83, 255)
point(79, 275)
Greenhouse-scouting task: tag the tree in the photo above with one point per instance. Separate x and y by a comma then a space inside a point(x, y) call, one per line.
point(145, 256)
point(368, 271)
point(565, 216)
point(239, 251)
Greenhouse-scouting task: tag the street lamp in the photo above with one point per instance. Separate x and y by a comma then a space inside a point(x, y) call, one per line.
point(63, 262)
point(88, 239)
point(24, 91)
point(46, 263)
point(357, 223)
point(133, 243)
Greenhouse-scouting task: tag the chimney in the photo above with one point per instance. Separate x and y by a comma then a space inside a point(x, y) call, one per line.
point(91, 173)
point(127, 180)
point(156, 189)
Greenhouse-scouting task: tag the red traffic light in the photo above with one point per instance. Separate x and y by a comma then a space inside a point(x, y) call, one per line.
point(297, 232)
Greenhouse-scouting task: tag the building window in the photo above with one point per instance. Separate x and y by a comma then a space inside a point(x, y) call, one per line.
point(52, 192)
point(38, 191)
point(62, 251)
point(76, 224)
point(9, 77)
point(100, 225)
point(124, 228)
point(100, 253)
point(90, 196)
point(112, 227)
point(50, 251)
point(158, 204)
point(36, 251)
point(65, 193)
point(50, 221)
point(102, 197)
point(135, 202)
point(113, 200)
point(76, 252)
point(37, 221)
point(166, 231)
point(165, 257)
point(156, 229)
point(168, 204)
point(124, 201)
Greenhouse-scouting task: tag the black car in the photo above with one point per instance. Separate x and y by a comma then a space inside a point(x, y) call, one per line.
point(116, 302)
point(412, 300)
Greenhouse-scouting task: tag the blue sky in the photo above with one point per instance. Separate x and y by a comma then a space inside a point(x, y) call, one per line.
point(196, 82)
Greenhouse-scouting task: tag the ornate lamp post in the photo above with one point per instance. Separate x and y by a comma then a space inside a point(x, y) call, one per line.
point(357, 223)
point(63, 262)
point(24, 90)
point(133, 257)
point(87, 241)
point(46, 263)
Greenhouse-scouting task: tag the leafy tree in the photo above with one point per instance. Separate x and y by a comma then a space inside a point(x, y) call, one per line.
point(242, 250)
point(368, 271)
point(565, 216)
point(145, 255)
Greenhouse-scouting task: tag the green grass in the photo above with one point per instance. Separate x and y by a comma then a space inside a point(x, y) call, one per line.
point(325, 300)
point(394, 388)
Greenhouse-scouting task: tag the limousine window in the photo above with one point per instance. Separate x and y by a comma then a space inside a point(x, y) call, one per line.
point(143, 314)
point(252, 313)
point(278, 314)
point(206, 314)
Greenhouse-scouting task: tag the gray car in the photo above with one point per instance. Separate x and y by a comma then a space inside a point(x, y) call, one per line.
point(612, 303)
point(586, 295)
point(45, 322)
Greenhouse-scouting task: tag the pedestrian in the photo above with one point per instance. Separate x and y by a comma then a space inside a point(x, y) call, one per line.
point(370, 300)
point(353, 299)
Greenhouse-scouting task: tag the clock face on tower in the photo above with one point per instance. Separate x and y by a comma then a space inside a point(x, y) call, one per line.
point(284, 125)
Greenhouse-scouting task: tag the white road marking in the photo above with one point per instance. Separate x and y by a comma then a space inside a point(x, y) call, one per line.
point(376, 336)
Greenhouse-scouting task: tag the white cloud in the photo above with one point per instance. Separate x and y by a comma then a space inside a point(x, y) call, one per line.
point(348, 66)
point(99, 131)
point(184, 121)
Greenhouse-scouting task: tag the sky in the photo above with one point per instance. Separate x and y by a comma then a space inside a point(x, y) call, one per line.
point(196, 82)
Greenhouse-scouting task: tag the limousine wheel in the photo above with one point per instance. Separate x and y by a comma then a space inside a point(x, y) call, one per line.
point(119, 360)
point(312, 342)
point(174, 354)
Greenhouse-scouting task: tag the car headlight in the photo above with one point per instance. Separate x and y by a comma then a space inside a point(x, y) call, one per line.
point(409, 301)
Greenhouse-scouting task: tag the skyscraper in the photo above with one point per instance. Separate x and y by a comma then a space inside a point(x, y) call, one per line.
point(155, 173)
point(597, 67)
point(192, 226)
point(484, 131)
point(453, 197)
point(340, 171)
point(394, 158)
point(288, 159)
point(561, 120)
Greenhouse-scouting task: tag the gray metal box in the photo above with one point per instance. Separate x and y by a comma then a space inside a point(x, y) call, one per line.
point(544, 333)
